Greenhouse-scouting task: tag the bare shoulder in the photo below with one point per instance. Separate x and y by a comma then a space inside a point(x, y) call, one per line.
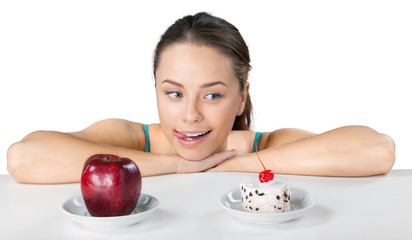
point(116, 132)
point(283, 136)
point(242, 140)
point(114, 124)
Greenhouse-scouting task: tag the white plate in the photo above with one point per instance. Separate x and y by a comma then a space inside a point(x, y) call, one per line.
point(76, 210)
point(300, 202)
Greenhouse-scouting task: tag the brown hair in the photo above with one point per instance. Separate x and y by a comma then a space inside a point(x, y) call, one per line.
point(206, 30)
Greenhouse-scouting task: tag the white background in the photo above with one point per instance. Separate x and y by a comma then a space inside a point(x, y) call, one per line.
point(317, 65)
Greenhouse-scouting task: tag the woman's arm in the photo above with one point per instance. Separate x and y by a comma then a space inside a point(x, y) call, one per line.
point(345, 151)
point(56, 157)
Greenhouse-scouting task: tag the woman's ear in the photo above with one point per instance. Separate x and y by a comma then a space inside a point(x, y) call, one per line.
point(243, 98)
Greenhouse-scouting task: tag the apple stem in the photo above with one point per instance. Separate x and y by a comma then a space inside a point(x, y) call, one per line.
point(257, 154)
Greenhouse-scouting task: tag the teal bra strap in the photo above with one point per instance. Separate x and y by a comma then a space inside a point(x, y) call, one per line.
point(146, 133)
point(256, 141)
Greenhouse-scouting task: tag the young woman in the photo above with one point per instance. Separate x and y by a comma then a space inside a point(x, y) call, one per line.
point(201, 67)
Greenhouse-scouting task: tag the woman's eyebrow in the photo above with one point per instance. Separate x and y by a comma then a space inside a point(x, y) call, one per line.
point(205, 85)
point(172, 82)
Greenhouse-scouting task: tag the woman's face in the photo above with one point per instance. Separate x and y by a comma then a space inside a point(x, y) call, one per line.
point(198, 98)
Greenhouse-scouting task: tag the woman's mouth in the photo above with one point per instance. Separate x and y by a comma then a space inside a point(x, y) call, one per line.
point(191, 138)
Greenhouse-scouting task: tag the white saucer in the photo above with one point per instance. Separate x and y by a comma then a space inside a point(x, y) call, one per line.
point(76, 210)
point(300, 202)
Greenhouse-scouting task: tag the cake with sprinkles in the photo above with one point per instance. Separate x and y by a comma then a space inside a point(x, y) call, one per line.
point(265, 197)
point(264, 194)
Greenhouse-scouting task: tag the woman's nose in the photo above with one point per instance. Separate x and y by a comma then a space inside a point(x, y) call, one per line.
point(192, 112)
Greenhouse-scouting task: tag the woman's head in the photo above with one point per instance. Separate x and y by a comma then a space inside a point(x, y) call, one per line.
point(203, 29)
point(201, 67)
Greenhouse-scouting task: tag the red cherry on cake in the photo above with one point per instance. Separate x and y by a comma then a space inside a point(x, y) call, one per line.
point(266, 175)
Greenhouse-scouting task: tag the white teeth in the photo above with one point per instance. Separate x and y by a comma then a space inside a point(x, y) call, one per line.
point(194, 134)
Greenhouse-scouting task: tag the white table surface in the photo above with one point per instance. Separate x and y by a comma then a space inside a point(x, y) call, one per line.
point(346, 208)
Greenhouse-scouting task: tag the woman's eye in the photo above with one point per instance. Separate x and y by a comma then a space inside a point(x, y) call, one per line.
point(213, 96)
point(174, 95)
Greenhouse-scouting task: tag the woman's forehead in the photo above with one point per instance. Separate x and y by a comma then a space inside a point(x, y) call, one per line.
point(189, 61)
point(193, 53)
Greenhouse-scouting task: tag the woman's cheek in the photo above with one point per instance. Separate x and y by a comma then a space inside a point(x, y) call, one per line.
point(169, 113)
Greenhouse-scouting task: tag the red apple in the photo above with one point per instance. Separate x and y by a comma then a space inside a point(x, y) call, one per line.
point(110, 185)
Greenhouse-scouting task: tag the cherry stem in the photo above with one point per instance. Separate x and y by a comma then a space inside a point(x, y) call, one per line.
point(259, 157)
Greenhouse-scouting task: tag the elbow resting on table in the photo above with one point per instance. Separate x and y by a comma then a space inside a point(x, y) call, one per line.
point(21, 163)
point(16, 162)
point(385, 157)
